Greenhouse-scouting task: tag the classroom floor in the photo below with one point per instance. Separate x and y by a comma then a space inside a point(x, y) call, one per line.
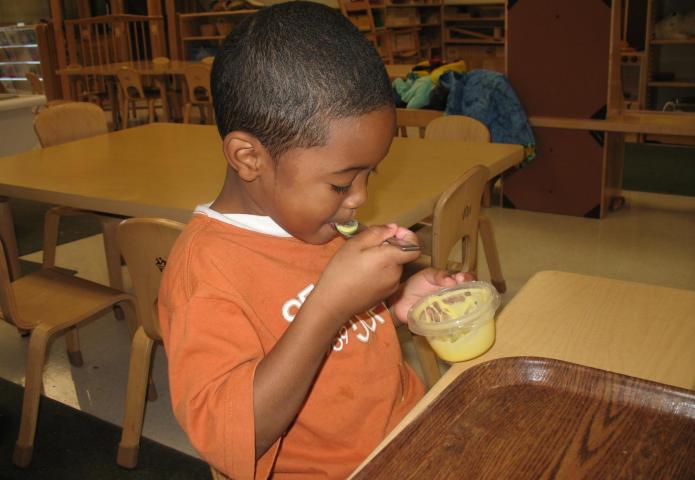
point(651, 240)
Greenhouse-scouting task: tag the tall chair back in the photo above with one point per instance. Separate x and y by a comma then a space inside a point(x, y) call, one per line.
point(457, 127)
point(131, 83)
point(145, 244)
point(69, 121)
point(198, 82)
point(456, 216)
point(199, 91)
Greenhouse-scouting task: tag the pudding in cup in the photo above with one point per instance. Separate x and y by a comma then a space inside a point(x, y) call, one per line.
point(458, 322)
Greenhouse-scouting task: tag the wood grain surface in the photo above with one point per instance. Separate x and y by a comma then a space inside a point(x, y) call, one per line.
point(530, 417)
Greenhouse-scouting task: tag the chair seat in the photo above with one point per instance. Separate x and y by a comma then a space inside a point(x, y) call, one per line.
point(62, 297)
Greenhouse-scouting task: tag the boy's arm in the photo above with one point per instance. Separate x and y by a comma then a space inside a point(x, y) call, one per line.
point(284, 376)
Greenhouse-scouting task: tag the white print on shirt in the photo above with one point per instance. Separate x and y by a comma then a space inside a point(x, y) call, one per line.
point(360, 325)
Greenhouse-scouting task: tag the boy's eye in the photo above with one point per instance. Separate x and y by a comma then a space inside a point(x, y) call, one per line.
point(341, 188)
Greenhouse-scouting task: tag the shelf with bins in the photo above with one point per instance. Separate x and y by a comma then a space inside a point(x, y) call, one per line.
point(475, 32)
point(201, 33)
point(19, 55)
point(406, 31)
point(415, 28)
point(669, 66)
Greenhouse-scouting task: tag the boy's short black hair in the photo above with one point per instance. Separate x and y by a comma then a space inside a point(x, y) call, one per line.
point(289, 69)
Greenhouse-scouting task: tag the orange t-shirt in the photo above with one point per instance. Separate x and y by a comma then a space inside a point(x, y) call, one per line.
point(227, 296)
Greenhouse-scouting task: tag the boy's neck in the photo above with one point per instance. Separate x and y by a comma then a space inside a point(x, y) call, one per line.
point(233, 197)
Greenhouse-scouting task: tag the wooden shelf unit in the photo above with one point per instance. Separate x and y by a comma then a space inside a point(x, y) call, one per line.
point(404, 32)
point(476, 33)
point(675, 57)
point(205, 31)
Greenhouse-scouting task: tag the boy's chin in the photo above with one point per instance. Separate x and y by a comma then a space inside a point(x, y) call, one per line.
point(321, 237)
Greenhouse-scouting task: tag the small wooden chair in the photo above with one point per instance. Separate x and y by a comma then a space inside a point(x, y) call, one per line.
point(460, 127)
point(133, 92)
point(88, 88)
point(47, 303)
point(199, 92)
point(145, 244)
point(65, 123)
point(456, 218)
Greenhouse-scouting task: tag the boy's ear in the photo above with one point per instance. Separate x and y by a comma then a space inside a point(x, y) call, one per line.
point(245, 154)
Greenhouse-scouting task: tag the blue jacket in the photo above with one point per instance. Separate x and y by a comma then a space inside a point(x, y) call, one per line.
point(488, 97)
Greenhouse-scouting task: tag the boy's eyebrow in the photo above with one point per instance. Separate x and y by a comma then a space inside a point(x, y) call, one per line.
point(352, 169)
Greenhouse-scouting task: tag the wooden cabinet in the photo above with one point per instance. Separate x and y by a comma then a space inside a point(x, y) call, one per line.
point(202, 33)
point(475, 31)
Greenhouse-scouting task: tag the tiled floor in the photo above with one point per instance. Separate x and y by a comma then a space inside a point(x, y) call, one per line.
point(652, 240)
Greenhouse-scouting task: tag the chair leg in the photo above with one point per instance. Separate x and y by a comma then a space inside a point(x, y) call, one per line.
point(187, 113)
point(493, 260)
point(51, 225)
point(32, 391)
point(72, 340)
point(428, 360)
point(9, 239)
point(487, 193)
point(125, 113)
point(138, 375)
point(109, 225)
point(150, 111)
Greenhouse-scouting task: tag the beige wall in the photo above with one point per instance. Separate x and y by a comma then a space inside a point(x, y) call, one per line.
point(27, 11)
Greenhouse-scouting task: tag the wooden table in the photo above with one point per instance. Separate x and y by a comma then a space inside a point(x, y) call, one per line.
point(635, 329)
point(166, 169)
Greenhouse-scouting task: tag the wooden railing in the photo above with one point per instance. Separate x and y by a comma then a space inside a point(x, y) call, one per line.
point(114, 38)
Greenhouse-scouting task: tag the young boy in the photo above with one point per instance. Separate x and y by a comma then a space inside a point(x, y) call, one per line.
point(283, 358)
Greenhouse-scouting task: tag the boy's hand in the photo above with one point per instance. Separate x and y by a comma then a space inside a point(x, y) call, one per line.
point(421, 284)
point(364, 272)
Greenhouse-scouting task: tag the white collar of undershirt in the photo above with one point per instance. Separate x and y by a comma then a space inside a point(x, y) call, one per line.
point(255, 223)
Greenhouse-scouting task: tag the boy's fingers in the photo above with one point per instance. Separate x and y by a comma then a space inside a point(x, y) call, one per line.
point(374, 235)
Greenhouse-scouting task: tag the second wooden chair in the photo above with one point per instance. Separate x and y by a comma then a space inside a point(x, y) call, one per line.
point(133, 91)
point(198, 92)
point(456, 220)
point(48, 303)
point(61, 124)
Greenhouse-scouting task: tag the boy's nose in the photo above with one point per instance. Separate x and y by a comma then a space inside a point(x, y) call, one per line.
point(357, 196)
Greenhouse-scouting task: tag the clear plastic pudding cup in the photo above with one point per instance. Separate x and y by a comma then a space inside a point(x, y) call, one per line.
point(458, 322)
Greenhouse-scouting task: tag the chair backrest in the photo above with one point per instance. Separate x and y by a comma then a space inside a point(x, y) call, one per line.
point(457, 127)
point(456, 218)
point(145, 244)
point(411, 117)
point(35, 83)
point(198, 82)
point(8, 307)
point(131, 83)
point(69, 121)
